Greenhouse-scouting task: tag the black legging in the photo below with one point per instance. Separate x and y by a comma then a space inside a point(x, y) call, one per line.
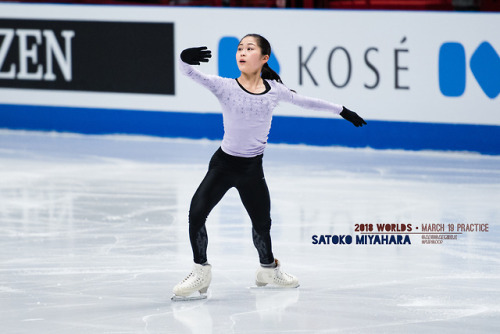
point(247, 176)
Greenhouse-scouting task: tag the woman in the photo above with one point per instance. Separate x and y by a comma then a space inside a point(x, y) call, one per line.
point(247, 105)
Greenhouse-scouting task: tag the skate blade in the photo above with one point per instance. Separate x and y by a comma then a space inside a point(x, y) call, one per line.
point(272, 287)
point(176, 298)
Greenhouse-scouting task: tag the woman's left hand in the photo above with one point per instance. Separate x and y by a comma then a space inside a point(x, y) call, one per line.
point(352, 117)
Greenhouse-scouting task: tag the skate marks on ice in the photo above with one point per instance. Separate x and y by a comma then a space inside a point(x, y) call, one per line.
point(229, 310)
point(94, 237)
point(373, 309)
point(188, 317)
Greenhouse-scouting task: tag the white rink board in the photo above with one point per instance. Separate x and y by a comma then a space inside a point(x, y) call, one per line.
point(415, 37)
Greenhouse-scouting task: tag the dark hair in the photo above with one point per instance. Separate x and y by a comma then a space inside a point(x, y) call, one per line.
point(267, 72)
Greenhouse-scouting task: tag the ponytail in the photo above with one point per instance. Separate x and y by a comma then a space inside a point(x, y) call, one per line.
point(268, 73)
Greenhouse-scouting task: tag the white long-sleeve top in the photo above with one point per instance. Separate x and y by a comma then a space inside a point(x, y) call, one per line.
point(247, 116)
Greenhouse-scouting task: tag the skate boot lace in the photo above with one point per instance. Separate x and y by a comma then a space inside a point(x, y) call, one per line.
point(283, 277)
point(191, 274)
point(193, 278)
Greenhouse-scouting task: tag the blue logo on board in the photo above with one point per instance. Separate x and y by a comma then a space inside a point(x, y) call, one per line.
point(484, 65)
point(227, 58)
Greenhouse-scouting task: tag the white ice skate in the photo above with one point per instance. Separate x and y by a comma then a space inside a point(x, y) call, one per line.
point(275, 278)
point(197, 281)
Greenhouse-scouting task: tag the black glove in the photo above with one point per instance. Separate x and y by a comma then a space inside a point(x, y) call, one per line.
point(352, 117)
point(193, 56)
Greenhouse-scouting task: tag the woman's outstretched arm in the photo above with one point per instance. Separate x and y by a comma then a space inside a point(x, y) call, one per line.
point(193, 56)
point(317, 104)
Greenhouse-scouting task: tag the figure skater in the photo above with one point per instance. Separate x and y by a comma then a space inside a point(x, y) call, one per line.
point(247, 105)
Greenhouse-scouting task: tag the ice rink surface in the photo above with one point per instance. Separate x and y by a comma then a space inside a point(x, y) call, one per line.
point(94, 236)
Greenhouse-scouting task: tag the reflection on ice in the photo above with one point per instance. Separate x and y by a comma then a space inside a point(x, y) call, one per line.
point(94, 237)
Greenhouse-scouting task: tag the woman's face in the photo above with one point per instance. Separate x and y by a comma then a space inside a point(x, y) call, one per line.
point(249, 56)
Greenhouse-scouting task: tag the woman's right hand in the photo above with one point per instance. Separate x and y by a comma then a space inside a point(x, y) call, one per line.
point(193, 56)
